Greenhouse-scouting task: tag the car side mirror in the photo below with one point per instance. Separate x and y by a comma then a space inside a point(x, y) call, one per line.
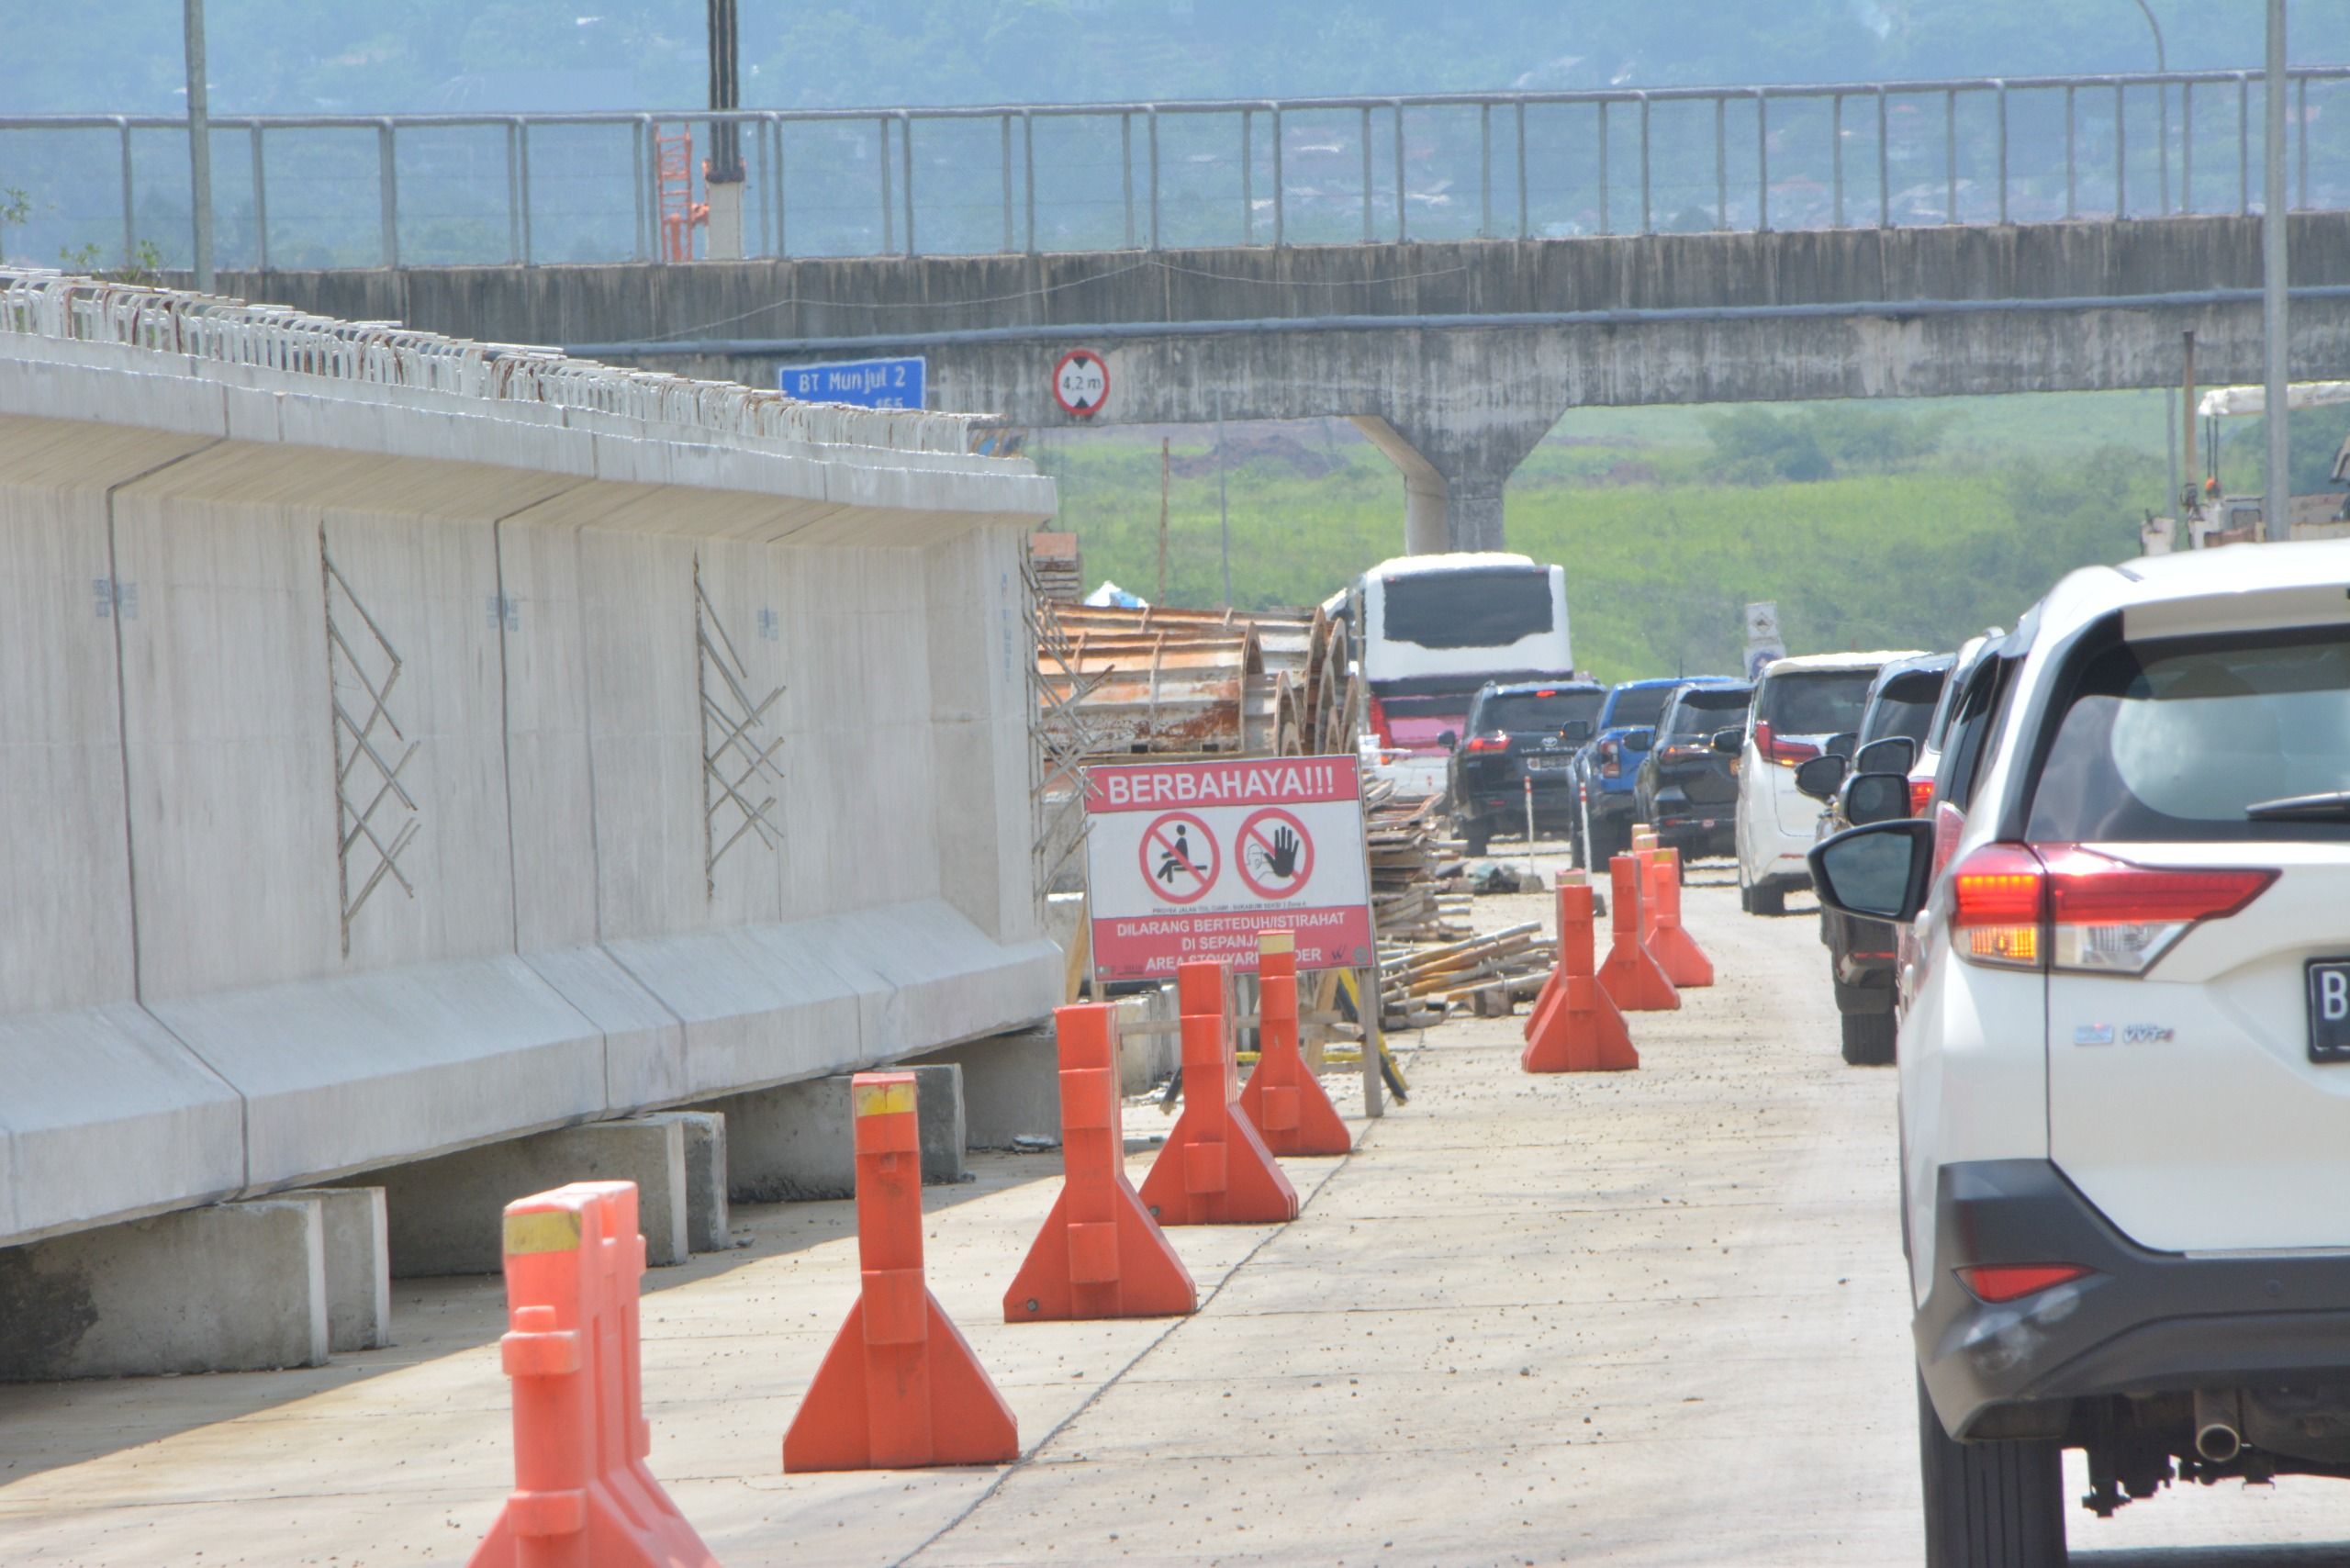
point(1877, 872)
point(1729, 742)
point(1450, 741)
point(1840, 744)
point(1639, 740)
point(1876, 798)
point(1575, 731)
point(1893, 753)
point(1819, 777)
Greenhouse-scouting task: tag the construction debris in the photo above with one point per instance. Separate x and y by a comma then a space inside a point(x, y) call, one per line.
point(1057, 566)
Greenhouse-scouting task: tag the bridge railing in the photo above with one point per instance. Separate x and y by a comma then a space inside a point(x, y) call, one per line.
point(370, 191)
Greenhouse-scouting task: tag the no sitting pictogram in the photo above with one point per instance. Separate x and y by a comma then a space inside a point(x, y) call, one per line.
point(1276, 853)
point(1180, 859)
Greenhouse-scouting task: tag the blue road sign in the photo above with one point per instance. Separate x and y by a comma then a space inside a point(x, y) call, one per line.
point(867, 383)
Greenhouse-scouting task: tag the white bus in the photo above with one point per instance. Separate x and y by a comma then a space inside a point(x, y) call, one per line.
point(1430, 631)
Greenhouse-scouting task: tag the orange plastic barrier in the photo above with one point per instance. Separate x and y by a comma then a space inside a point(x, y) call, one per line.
point(1574, 1026)
point(1215, 1169)
point(1685, 963)
point(1282, 1099)
point(1100, 1254)
point(582, 1494)
point(900, 1388)
point(1631, 975)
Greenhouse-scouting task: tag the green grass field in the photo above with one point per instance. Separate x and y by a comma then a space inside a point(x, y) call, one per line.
point(1660, 555)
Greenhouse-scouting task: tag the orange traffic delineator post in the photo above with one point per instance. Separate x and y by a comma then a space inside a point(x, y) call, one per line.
point(1576, 1028)
point(1685, 963)
point(1282, 1099)
point(1215, 1169)
point(1631, 975)
point(1100, 1254)
point(582, 1494)
point(899, 1388)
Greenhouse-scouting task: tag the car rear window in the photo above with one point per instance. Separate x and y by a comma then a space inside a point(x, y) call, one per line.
point(2169, 741)
point(1532, 711)
point(1904, 708)
point(1479, 608)
point(1705, 709)
point(1640, 705)
point(1815, 703)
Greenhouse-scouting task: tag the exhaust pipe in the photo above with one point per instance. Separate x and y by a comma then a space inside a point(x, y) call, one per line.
point(2219, 1425)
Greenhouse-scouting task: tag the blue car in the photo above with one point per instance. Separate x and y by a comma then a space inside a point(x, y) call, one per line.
point(1606, 770)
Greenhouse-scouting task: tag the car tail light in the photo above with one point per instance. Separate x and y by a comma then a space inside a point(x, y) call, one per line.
point(1379, 721)
point(2071, 909)
point(1996, 906)
point(1998, 1283)
point(1786, 754)
point(1494, 742)
point(1921, 795)
point(2107, 917)
point(1948, 822)
point(1610, 760)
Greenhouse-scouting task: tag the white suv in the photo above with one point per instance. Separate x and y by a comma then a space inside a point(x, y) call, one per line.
point(2125, 1050)
point(1800, 705)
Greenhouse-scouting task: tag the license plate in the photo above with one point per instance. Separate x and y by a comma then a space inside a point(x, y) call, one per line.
point(2330, 1010)
point(1547, 763)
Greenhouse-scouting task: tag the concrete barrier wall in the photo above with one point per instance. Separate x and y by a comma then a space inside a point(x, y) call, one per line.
point(200, 567)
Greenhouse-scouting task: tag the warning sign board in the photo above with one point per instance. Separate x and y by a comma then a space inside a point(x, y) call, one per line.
point(1192, 859)
point(1081, 382)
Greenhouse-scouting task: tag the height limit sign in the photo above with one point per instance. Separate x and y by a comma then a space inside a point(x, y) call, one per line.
point(1192, 859)
point(1081, 382)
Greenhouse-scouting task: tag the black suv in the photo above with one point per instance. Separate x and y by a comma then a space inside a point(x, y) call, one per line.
point(1686, 789)
point(1519, 732)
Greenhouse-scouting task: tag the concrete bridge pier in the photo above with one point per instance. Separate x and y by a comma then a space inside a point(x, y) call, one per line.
point(1454, 466)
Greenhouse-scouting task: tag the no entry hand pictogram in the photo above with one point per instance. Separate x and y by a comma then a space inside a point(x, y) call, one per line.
point(1180, 859)
point(1276, 853)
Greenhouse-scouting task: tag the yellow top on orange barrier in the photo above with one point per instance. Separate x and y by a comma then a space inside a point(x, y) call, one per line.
point(881, 1094)
point(541, 1230)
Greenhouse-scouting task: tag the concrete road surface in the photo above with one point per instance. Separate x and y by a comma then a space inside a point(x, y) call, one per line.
point(1651, 1317)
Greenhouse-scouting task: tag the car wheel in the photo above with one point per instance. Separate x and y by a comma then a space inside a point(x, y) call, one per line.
point(1770, 899)
point(1868, 1038)
point(1995, 1505)
point(1477, 835)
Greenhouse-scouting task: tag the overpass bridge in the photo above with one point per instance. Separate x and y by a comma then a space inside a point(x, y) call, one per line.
point(1453, 272)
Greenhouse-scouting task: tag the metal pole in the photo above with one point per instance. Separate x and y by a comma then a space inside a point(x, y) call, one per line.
point(1125, 176)
point(1648, 224)
point(2170, 438)
point(1366, 175)
point(129, 224)
point(1153, 125)
point(1602, 107)
point(513, 187)
point(2301, 89)
point(2186, 150)
point(2003, 152)
point(2162, 93)
point(1007, 185)
point(906, 155)
point(2071, 184)
point(2121, 165)
point(261, 206)
point(387, 190)
point(1836, 152)
point(199, 146)
point(1761, 163)
point(1486, 171)
point(775, 195)
point(1223, 509)
point(888, 218)
point(1884, 163)
point(2186, 423)
point(1525, 212)
point(1722, 164)
point(2244, 145)
point(639, 132)
point(1248, 177)
point(2277, 492)
point(1401, 225)
point(1028, 181)
point(1281, 233)
point(1374, 1045)
point(1950, 154)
